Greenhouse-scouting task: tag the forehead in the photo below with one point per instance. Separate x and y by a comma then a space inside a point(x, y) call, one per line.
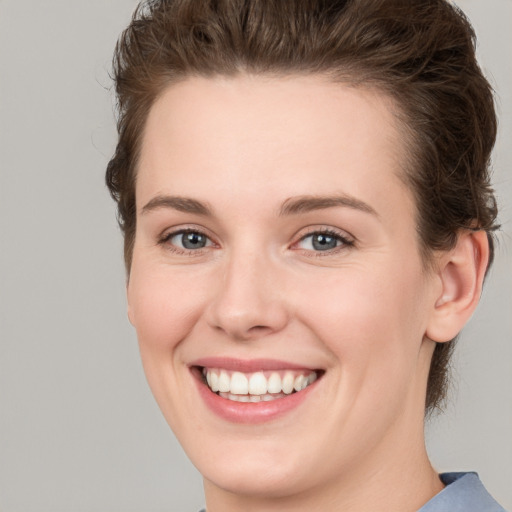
point(265, 135)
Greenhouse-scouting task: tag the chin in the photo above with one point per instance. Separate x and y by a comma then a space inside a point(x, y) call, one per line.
point(258, 478)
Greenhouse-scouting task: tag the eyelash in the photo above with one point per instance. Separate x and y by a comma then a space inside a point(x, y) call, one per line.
point(345, 242)
point(167, 237)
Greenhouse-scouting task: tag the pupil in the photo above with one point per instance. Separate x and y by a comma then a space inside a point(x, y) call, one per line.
point(324, 242)
point(193, 241)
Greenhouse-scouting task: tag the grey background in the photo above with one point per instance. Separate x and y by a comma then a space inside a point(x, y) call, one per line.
point(79, 430)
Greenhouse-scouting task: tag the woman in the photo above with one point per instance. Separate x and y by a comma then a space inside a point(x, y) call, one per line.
point(304, 193)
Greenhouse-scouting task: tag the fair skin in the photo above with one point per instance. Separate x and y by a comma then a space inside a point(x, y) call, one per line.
point(267, 274)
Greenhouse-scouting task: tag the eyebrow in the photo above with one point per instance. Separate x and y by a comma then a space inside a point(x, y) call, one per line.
point(182, 204)
point(292, 206)
point(304, 204)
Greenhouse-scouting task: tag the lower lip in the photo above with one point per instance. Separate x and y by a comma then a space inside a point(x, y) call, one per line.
point(251, 412)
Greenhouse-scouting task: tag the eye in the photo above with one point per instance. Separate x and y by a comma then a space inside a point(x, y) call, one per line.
point(323, 241)
point(187, 240)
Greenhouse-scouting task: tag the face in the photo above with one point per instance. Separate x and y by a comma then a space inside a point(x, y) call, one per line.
point(277, 289)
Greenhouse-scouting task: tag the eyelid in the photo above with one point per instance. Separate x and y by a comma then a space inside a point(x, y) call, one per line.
point(184, 228)
point(169, 233)
point(347, 240)
point(324, 229)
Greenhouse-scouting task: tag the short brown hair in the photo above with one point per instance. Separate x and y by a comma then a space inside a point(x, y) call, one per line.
point(421, 53)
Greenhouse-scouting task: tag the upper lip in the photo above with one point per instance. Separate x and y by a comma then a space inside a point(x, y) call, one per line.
point(248, 365)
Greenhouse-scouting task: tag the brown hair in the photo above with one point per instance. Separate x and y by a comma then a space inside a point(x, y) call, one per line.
point(421, 53)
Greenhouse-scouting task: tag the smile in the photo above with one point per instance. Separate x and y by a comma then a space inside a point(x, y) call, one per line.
point(259, 386)
point(253, 391)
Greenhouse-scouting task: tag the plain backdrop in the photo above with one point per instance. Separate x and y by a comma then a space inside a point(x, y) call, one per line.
point(79, 430)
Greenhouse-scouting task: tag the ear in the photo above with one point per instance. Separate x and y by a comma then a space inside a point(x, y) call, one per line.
point(461, 272)
point(128, 304)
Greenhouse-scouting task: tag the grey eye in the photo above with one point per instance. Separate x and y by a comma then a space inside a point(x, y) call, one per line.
point(322, 242)
point(190, 240)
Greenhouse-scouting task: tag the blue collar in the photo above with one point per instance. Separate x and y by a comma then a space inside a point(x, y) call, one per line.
point(464, 492)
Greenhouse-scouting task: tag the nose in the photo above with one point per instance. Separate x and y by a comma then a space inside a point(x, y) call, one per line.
point(248, 302)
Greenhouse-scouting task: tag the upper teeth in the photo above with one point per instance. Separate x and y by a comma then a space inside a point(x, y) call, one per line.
point(258, 383)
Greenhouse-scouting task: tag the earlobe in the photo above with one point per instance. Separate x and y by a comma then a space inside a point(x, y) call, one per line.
point(130, 316)
point(129, 310)
point(462, 272)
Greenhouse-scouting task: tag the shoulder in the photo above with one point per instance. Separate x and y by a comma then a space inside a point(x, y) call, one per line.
point(464, 492)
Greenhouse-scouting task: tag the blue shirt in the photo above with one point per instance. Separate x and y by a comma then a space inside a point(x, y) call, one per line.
point(464, 492)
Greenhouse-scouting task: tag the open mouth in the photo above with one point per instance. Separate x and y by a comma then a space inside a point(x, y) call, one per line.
point(260, 386)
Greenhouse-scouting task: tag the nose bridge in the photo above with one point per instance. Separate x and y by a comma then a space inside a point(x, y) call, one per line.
point(248, 302)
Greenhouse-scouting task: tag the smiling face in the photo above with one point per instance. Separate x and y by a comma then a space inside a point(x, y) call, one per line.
point(276, 249)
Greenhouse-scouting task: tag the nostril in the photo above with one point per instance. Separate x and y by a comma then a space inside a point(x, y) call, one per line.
point(259, 329)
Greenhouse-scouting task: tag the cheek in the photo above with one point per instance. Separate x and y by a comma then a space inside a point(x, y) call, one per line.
point(368, 316)
point(164, 306)
point(373, 328)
